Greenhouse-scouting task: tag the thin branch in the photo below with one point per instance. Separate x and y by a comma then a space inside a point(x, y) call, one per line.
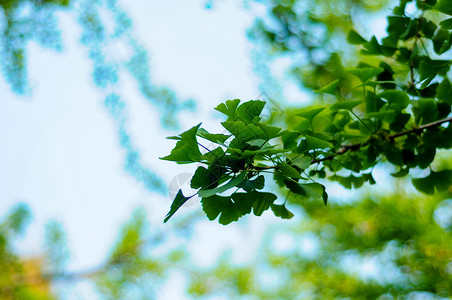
point(391, 137)
point(420, 128)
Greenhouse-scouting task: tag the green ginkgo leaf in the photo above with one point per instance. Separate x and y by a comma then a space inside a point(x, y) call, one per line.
point(329, 89)
point(310, 113)
point(186, 150)
point(355, 38)
point(215, 206)
point(178, 201)
point(281, 211)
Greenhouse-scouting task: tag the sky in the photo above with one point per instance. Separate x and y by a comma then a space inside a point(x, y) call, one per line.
point(60, 152)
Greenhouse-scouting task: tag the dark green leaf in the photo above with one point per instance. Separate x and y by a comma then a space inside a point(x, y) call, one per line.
point(178, 201)
point(289, 171)
point(351, 180)
point(354, 38)
point(397, 25)
point(294, 187)
point(426, 111)
point(260, 201)
point(216, 205)
point(372, 47)
point(281, 211)
point(382, 114)
point(401, 173)
point(426, 156)
point(446, 24)
point(399, 122)
point(269, 152)
point(255, 184)
point(444, 6)
point(186, 150)
point(215, 138)
point(325, 196)
point(441, 41)
point(235, 181)
point(211, 156)
point(428, 28)
point(441, 181)
point(200, 178)
point(444, 91)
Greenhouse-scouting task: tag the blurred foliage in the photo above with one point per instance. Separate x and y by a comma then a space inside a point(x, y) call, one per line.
point(20, 278)
point(129, 269)
point(20, 22)
point(380, 247)
point(308, 40)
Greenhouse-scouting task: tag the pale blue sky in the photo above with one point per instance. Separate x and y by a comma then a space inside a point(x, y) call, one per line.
point(60, 151)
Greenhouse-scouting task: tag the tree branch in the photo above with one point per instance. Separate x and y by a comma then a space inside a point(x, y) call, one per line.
point(420, 128)
point(391, 137)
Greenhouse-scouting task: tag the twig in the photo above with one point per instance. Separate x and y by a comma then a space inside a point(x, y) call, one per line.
point(391, 137)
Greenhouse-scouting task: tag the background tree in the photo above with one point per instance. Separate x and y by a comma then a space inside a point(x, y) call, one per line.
point(380, 247)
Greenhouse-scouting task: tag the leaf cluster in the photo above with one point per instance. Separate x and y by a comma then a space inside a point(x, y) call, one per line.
point(402, 117)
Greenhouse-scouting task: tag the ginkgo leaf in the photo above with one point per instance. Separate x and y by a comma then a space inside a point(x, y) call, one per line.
point(186, 150)
point(330, 88)
point(259, 201)
point(216, 205)
point(228, 108)
point(281, 211)
point(310, 113)
point(364, 74)
point(218, 138)
point(178, 201)
point(347, 105)
point(396, 96)
point(355, 38)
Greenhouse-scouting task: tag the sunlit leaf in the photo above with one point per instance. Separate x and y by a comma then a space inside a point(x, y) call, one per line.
point(310, 113)
point(395, 96)
point(330, 88)
point(347, 105)
point(364, 74)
